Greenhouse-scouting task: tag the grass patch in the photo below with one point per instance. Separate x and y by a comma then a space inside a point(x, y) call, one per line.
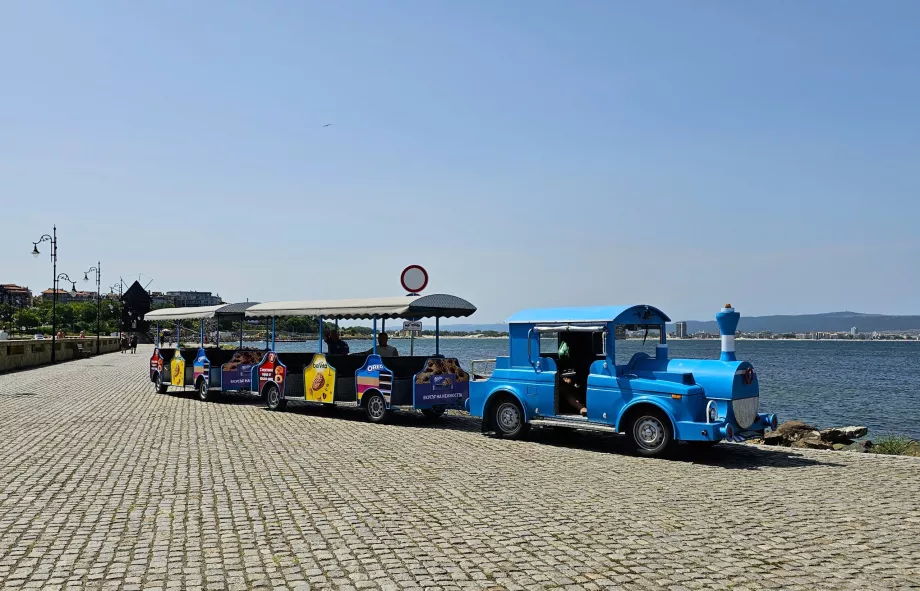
point(896, 445)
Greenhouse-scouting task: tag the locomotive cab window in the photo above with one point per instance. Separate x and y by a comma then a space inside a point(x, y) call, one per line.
point(638, 338)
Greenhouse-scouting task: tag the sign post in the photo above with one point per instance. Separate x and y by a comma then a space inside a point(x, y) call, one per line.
point(414, 279)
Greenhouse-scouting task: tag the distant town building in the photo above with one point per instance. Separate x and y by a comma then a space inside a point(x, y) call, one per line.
point(680, 329)
point(64, 296)
point(15, 295)
point(183, 299)
point(853, 332)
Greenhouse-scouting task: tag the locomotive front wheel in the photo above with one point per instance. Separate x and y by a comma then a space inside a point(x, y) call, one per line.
point(376, 408)
point(650, 433)
point(273, 398)
point(508, 419)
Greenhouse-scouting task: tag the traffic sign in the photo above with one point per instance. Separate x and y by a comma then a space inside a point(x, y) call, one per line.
point(414, 278)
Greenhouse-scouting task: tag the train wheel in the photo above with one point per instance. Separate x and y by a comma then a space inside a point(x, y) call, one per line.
point(161, 387)
point(273, 398)
point(650, 433)
point(508, 418)
point(432, 413)
point(203, 389)
point(376, 408)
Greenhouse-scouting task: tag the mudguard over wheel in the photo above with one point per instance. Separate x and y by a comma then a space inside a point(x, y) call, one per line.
point(273, 399)
point(649, 433)
point(376, 407)
point(508, 418)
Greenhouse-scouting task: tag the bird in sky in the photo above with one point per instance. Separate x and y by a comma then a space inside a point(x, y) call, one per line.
point(327, 125)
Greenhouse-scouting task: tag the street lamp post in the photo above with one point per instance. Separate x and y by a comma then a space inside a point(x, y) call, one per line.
point(35, 253)
point(73, 292)
point(98, 270)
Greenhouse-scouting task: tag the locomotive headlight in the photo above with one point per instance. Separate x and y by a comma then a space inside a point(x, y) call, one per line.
point(712, 413)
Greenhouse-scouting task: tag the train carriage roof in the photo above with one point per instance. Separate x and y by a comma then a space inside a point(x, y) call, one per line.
point(636, 314)
point(199, 312)
point(427, 306)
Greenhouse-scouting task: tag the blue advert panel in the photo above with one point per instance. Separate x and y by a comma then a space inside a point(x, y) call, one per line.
point(236, 374)
point(441, 383)
point(374, 375)
point(201, 366)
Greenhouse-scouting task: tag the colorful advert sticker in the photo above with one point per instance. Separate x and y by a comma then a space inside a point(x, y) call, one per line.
point(177, 367)
point(374, 376)
point(319, 380)
point(236, 374)
point(156, 363)
point(270, 370)
point(202, 366)
point(442, 382)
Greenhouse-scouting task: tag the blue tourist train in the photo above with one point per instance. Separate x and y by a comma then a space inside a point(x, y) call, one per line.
point(573, 381)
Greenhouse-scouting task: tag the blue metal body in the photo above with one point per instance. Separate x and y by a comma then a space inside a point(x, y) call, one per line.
point(704, 400)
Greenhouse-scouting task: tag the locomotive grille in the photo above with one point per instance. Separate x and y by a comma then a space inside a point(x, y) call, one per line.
point(745, 410)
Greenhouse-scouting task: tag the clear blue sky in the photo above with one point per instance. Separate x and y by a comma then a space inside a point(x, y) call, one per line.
point(529, 153)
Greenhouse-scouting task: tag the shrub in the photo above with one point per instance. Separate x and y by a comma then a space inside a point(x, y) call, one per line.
point(895, 445)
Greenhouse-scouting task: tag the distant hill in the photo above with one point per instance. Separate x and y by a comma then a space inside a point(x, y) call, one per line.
point(468, 327)
point(828, 322)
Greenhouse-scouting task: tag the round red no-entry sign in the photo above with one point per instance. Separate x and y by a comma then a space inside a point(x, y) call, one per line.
point(414, 278)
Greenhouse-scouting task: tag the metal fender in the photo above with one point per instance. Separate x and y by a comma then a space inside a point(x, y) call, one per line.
point(652, 402)
point(505, 390)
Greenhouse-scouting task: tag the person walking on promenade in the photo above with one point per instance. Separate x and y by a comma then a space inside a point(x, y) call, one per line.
point(123, 342)
point(134, 343)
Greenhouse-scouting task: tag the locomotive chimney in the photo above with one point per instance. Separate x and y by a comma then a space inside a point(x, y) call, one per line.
point(728, 322)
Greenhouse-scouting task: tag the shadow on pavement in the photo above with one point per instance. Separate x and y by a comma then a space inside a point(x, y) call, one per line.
point(729, 456)
point(725, 455)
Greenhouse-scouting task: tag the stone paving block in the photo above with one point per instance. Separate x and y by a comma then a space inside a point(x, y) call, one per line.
point(106, 484)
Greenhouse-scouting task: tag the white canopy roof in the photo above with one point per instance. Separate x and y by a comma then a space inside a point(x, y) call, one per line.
point(182, 313)
point(441, 305)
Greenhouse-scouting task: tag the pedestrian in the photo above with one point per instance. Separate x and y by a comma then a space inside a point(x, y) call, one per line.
point(123, 342)
point(134, 343)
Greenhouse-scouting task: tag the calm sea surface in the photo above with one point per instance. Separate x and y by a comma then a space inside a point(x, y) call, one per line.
point(828, 383)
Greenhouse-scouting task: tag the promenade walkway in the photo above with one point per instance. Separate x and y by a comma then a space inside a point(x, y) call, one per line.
point(106, 484)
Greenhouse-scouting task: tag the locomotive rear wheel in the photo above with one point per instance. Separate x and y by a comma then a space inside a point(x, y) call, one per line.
point(508, 419)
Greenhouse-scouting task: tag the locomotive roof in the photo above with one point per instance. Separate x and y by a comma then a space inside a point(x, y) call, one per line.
point(635, 314)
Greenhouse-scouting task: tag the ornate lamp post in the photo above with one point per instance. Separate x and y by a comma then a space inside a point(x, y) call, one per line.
point(35, 253)
point(98, 270)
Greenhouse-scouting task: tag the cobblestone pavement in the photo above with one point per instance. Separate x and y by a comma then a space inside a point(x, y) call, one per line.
point(106, 484)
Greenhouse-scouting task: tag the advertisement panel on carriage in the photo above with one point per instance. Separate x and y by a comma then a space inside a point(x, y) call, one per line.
point(269, 370)
point(201, 366)
point(442, 382)
point(319, 380)
point(374, 375)
point(156, 363)
point(236, 374)
point(177, 367)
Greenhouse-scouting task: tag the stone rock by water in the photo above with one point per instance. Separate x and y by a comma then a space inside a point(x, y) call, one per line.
point(843, 434)
point(790, 427)
point(811, 440)
point(859, 446)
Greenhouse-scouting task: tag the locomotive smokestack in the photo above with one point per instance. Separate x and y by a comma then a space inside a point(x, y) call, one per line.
point(728, 323)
